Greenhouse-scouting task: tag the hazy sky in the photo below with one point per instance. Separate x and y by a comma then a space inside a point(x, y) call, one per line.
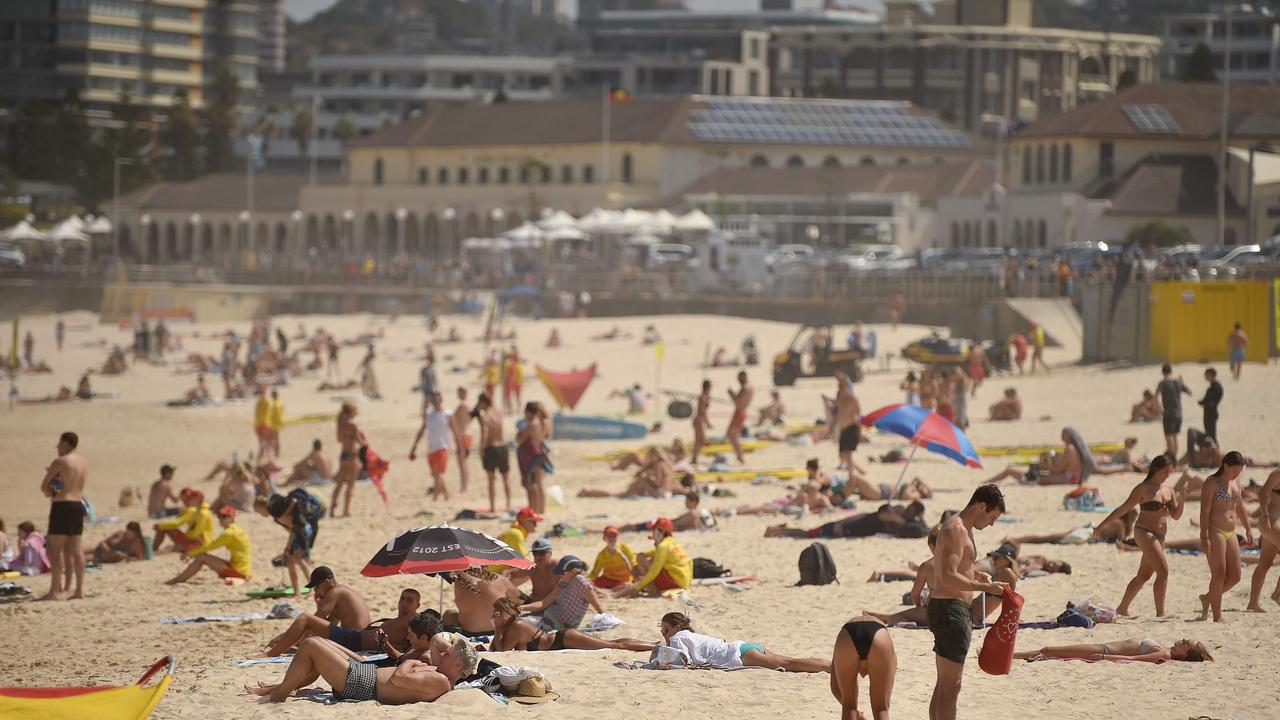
point(303, 9)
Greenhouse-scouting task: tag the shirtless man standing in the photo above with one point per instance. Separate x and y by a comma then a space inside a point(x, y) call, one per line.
point(494, 457)
point(461, 438)
point(701, 423)
point(341, 615)
point(350, 439)
point(848, 415)
point(64, 484)
point(954, 582)
point(741, 404)
point(161, 495)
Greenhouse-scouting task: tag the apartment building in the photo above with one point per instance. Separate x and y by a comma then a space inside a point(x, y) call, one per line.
point(1255, 42)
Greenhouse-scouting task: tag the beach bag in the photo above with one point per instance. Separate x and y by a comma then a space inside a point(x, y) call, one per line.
point(680, 409)
point(816, 566)
point(996, 656)
point(705, 568)
point(309, 506)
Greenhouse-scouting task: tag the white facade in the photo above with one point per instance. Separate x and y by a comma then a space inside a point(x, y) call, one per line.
point(1255, 43)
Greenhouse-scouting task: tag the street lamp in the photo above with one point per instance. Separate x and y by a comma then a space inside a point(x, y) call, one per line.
point(296, 218)
point(246, 238)
point(496, 215)
point(998, 193)
point(349, 222)
point(449, 214)
point(115, 195)
point(195, 236)
point(146, 233)
point(401, 215)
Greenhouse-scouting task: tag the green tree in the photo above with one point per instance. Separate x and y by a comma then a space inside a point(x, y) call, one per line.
point(181, 137)
point(1200, 66)
point(345, 130)
point(303, 126)
point(220, 122)
point(1158, 233)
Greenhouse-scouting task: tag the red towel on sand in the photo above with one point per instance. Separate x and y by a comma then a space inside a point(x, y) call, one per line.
point(996, 657)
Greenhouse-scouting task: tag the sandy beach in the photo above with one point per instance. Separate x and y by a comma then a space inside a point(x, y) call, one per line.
point(115, 632)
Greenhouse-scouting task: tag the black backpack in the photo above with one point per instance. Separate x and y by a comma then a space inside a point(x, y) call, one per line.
point(704, 568)
point(816, 566)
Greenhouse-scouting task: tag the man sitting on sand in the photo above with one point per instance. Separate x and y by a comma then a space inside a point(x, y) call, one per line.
point(896, 520)
point(162, 494)
point(474, 592)
point(775, 413)
point(653, 479)
point(1009, 407)
point(238, 567)
point(314, 469)
point(1073, 467)
point(1149, 410)
point(412, 681)
point(341, 615)
point(121, 546)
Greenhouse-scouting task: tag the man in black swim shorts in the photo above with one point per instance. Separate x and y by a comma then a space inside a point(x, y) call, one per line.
point(63, 484)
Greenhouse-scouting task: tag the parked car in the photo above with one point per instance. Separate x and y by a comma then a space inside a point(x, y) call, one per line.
point(790, 253)
point(669, 255)
point(870, 256)
point(11, 258)
point(1217, 262)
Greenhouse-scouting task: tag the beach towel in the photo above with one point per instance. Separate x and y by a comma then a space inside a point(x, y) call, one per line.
point(213, 618)
point(602, 622)
point(996, 656)
point(1087, 465)
point(286, 659)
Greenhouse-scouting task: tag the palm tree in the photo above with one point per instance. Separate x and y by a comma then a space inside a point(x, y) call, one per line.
point(303, 126)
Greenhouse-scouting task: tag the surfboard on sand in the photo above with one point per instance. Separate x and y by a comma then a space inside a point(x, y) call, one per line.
point(274, 592)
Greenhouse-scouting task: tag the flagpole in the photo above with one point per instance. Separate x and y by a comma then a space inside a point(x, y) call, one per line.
point(604, 144)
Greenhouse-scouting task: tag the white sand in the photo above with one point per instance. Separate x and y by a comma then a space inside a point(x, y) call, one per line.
point(114, 634)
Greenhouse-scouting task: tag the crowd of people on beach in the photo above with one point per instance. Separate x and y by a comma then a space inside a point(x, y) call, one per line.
point(550, 606)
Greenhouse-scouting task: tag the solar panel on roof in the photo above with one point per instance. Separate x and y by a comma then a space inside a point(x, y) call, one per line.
point(850, 122)
point(1151, 119)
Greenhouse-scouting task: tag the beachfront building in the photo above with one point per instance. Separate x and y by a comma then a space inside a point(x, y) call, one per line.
point(968, 60)
point(461, 171)
point(1255, 42)
point(147, 50)
point(1149, 153)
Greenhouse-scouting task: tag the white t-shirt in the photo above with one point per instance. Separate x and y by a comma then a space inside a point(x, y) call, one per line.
point(706, 650)
point(439, 431)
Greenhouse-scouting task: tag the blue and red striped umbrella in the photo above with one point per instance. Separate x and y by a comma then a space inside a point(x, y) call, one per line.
point(927, 429)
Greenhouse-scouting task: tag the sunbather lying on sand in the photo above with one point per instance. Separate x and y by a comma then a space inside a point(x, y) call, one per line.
point(512, 633)
point(1144, 650)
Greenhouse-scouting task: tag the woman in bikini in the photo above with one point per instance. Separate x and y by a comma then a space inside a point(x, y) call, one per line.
point(1269, 530)
point(512, 633)
point(701, 651)
point(863, 647)
point(1156, 504)
point(1144, 650)
point(1221, 509)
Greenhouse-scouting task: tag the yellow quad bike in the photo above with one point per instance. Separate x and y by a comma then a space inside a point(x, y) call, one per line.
point(804, 358)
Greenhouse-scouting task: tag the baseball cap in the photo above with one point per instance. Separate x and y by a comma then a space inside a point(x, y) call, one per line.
point(663, 524)
point(227, 511)
point(569, 562)
point(1005, 550)
point(528, 514)
point(319, 575)
point(612, 530)
point(541, 545)
point(166, 469)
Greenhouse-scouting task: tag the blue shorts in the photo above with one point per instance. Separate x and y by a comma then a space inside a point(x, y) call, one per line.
point(748, 647)
point(1237, 355)
point(352, 640)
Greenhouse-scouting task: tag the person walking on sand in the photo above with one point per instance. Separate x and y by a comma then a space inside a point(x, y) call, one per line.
point(461, 437)
point(350, 439)
point(701, 423)
point(63, 484)
point(1037, 349)
point(1212, 397)
point(262, 421)
point(897, 308)
point(741, 406)
point(494, 457)
point(532, 454)
point(427, 382)
point(1156, 505)
point(331, 368)
point(59, 333)
point(1171, 389)
point(955, 580)
point(275, 419)
point(438, 426)
point(1221, 509)
point(847, 422)
point(1269, 539)
point(1237, 345)
point(368, 380)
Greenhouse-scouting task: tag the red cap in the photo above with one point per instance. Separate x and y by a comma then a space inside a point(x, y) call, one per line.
point(227, 511)
point(187, 491)
point(612, 530)
point(663, 524)
point(528, 514)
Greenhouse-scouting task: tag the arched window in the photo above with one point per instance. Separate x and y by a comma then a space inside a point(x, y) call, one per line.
point(831, 161)
point(968, 235)
point(867, 161)
point(955, 234)
point(795, 161)
point(1044, 234)
point(904, 161)
point(424, 176)
point(377, 171)
point(627, 175)
point(1017, 234)
point(588, 174)
point(1039, 164)
point(991, 233)
point(759, 161)
point(1066, 163)
point(1053, 163)
point(1026, 165)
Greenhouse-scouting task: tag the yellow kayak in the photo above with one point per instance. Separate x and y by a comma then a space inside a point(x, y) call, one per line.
point(741, 475)
point(1036, 450)
point(312, 418)
point(99, 702)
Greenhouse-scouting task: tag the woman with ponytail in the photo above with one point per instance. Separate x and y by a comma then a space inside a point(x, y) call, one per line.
point(1156, 504)
point(1221, 510)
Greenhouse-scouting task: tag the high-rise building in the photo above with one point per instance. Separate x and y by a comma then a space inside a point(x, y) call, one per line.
point(271, 36)
point(147, 51)
point(1255, 42)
